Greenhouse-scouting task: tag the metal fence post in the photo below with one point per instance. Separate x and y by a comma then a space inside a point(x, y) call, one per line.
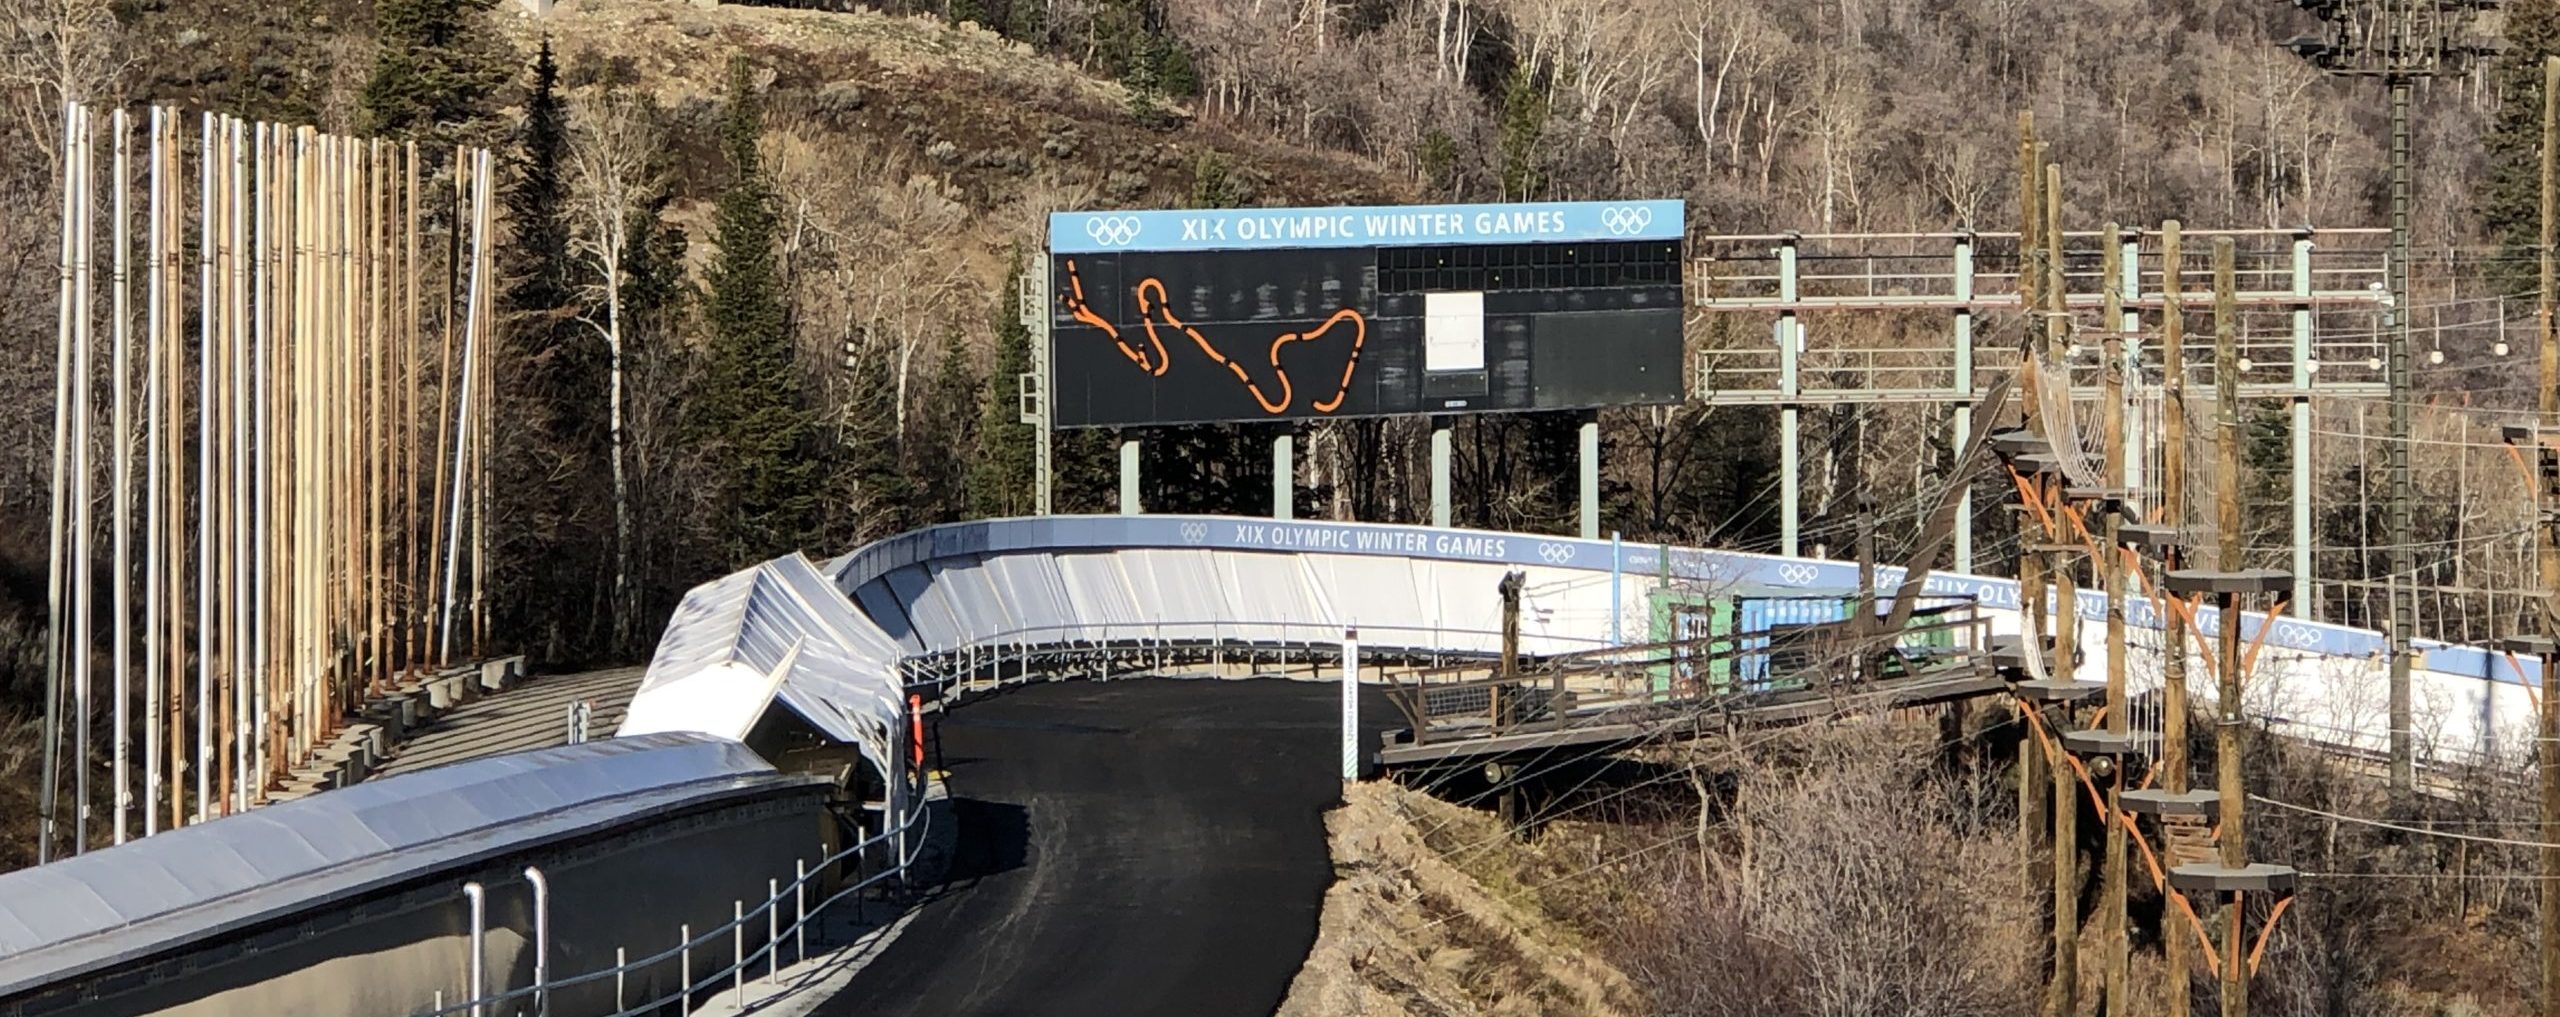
point(772, 929)
point(1350, 705)
point(541, 940)
point(800, 904)
point(479, 943)
point(738, 944)
point(621, 971)
point(684, 970)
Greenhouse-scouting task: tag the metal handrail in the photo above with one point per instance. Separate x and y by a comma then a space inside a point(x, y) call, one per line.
point(918, 819)
point(1015, 644)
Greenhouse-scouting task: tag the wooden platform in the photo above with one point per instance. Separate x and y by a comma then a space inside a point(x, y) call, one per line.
point(1602, 727)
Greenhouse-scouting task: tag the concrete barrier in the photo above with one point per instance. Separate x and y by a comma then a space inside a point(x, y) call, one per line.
point(498, 674)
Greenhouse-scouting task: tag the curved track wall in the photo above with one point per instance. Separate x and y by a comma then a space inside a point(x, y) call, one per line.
point(963, 594)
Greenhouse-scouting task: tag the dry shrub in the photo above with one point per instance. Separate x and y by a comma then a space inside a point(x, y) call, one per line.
point(1840, 882)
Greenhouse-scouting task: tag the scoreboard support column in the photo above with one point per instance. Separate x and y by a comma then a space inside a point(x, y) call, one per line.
point(1284, 476)
point(1440, 471)
point(1129, 476)
point(1790, 336)
point(1590, 477)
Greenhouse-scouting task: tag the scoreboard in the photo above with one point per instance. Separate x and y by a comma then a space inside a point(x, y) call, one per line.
point(1174, 317)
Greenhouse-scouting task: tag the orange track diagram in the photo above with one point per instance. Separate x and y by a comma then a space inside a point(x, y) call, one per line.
point(1155, 308)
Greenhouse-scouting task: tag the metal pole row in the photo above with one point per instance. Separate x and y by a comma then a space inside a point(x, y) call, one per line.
point(300, 519)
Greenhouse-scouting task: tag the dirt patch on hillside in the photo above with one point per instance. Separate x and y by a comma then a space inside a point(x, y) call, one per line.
point(1406, 933)
point(989, 116)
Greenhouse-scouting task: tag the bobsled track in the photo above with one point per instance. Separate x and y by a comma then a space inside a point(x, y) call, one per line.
point(1128, 836)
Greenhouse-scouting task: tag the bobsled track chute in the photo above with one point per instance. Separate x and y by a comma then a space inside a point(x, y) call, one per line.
point(971, 603)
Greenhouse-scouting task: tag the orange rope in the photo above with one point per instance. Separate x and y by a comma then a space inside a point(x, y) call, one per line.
point(2027, 494)
point(2150, 860)
point(2532, 694)
point(2212, 961)
point(2265, 932)
point(2521, 468)
point(2187, 612)
point(2266, 624)
point(2081, 526)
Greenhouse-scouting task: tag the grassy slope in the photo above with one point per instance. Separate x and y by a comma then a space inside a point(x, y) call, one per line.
point(1005, 131)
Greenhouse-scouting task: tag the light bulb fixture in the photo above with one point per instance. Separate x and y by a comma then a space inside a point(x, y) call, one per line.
point(2247, 365)
point(2375, 363)
point(2499, 348)
point(2311, 367)
point(2433, 357)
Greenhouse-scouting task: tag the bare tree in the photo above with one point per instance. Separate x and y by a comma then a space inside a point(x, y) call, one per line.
point(55, 52)
point(612, 168)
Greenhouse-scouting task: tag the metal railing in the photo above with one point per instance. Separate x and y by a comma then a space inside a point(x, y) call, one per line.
point(535, 998)
point(1015, 655)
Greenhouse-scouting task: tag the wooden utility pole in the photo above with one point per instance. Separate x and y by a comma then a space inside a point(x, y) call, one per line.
point(2111, 568)
point(411, 366)
point(2547, 419)
point(2173, 502)
point(2034, 820)
point(2227, 707)
point(2062, 994)
point(377, 670)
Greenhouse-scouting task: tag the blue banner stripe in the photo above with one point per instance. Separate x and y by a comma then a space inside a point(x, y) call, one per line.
point(1736, 572)
point(1377, 226)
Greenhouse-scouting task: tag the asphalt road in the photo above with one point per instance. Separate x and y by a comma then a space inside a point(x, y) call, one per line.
point(1135, 847)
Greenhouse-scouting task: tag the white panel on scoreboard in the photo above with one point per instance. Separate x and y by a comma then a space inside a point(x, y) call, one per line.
point(1453, 331)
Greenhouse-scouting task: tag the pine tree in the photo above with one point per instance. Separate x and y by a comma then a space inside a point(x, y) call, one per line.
point(553, 552)
point(1001, 474)
point(944, 442)
point(1524, 123)
point(751, 411)
point(2266, 449)
point(1026, 21)
point(2510, 196)
point(872, 484)
point(437, 70)
point(534, 266)
point(560, 369)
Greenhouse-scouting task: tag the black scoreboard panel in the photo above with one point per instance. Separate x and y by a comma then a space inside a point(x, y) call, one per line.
point(1141, 337)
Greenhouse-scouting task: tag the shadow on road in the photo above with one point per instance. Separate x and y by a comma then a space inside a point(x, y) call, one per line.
point(995, 837)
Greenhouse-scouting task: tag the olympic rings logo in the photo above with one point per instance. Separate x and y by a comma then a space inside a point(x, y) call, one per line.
point(1112, 230)
point(1554, 553)
point(1626, 219)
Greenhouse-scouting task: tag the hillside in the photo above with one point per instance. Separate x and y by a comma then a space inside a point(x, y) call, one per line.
point(867, 105)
